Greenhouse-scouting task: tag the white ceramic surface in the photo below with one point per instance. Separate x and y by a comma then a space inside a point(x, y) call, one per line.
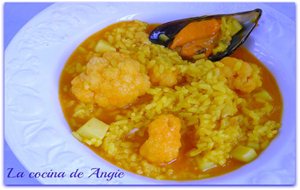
point(37, 132)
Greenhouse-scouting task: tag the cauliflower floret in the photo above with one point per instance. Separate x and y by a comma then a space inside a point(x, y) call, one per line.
point(241, 75)
point(81, 88)
point(167, 78)
point(112, 81)
point(163, 143)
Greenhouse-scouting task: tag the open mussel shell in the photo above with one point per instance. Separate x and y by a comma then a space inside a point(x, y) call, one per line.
point(165, 33)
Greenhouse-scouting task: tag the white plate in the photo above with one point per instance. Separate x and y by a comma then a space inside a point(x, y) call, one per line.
point(35, 127)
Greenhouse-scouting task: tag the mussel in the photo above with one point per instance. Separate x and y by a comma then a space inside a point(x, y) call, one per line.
point(164, 34)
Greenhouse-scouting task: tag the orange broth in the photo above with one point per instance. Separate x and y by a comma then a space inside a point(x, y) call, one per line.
point(80, 57)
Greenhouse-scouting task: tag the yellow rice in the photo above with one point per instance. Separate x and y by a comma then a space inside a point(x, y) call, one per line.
point(204, 102)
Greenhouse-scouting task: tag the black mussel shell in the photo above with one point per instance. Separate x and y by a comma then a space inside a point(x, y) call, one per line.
point(165, 33)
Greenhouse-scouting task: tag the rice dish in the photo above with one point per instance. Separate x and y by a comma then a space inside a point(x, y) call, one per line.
point(165, 117)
